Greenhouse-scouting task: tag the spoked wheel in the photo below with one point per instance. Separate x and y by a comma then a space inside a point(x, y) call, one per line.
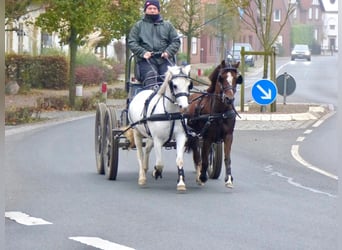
point(110, 145)
point(99, 124)
point(215, 160)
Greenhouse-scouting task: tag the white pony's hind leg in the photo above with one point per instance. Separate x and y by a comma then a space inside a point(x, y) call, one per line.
point(140, 155)
point(148, 149)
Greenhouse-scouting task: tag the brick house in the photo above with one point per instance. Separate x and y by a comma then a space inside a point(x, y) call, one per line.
point(321, 14)
point(310, 12)
point(330, 25)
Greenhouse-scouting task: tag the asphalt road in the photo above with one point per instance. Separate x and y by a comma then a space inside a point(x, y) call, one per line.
point(275, 202)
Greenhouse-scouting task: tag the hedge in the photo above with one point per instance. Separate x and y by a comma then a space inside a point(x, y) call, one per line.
point(49, 72)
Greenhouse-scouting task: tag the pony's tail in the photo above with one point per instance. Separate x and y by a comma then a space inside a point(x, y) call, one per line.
point(130, 137)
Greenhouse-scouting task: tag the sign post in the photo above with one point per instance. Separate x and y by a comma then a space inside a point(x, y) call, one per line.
point(270, 54)
point(286, 85)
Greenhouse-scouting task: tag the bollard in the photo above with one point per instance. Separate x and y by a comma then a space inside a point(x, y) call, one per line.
point(104, 91)
point(79, 90)
point(199, 72)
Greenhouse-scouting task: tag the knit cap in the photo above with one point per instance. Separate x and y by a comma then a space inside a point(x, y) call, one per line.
point(152, 2)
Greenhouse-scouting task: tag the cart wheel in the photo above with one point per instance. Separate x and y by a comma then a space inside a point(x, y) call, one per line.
point(99, 123)
point(110, 145)
point(215, 161)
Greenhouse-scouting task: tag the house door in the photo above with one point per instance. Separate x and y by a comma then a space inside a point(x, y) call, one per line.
point(332, 44)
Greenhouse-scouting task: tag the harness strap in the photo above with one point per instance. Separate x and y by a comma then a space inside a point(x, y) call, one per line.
point(171, 132)
point(229, 114)
point(147, 102)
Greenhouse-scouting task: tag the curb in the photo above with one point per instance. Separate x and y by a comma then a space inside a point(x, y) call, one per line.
point(316, 111)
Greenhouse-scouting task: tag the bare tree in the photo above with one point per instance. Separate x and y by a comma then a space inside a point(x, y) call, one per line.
point(257, 16)
point(222, 21)
point(187, 17)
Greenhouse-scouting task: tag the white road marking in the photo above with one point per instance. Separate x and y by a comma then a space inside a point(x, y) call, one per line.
point(100, 243)
point(318, 123)
point(301, 138)
point(25, 219)
point(295, 150)
point(295, 154)
point(270, 170)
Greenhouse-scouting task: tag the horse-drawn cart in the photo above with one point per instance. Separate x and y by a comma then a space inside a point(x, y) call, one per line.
point(111, 123)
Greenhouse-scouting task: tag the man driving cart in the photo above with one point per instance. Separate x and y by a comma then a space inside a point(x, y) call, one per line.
point(154, 42)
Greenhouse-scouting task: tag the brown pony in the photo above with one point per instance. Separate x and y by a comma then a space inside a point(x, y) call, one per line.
point(211, 115)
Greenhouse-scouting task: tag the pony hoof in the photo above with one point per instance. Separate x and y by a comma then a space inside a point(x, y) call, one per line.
point(181, 184)
point(229, 185)
point(199, 182)
point(157, 173)
point(203, 178)
point(142, 182)
point(229, 182)
point(181, 187)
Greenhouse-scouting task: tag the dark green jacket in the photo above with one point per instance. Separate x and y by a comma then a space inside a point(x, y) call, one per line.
point(158, 36)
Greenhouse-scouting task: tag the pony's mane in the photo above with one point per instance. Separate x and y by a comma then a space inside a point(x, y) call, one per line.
point(214, 76)
point(173, 70)
point(162, 89)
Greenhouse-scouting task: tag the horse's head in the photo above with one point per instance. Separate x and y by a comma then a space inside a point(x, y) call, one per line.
point(224, 80)
point(179, 84)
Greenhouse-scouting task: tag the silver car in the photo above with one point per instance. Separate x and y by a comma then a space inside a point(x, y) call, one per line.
point(235, 54)
point(301, 51)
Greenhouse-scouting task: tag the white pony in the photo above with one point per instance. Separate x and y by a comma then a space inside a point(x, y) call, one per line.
point(152, 116)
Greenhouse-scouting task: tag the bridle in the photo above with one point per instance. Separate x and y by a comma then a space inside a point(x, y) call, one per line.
point(223, 96)
point(172, 88)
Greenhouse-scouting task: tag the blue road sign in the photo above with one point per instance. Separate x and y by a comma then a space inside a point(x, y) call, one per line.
point(264, 92)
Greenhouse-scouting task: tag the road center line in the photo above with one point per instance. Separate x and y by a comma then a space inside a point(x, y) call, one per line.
point(25, 219)
point(100, 243)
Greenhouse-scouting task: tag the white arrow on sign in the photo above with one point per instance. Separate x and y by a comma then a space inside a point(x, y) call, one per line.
point(266, 95)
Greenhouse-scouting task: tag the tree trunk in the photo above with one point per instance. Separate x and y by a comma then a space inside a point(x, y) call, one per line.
point(188, 53)
point(72, 65)
point(265, 72)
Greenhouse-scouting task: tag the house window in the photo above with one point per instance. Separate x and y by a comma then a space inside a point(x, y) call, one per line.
point(276, 17)
point(316, 13)
point(46, 40)
point(194, 45)
point(332, 27)
point(310, 13)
